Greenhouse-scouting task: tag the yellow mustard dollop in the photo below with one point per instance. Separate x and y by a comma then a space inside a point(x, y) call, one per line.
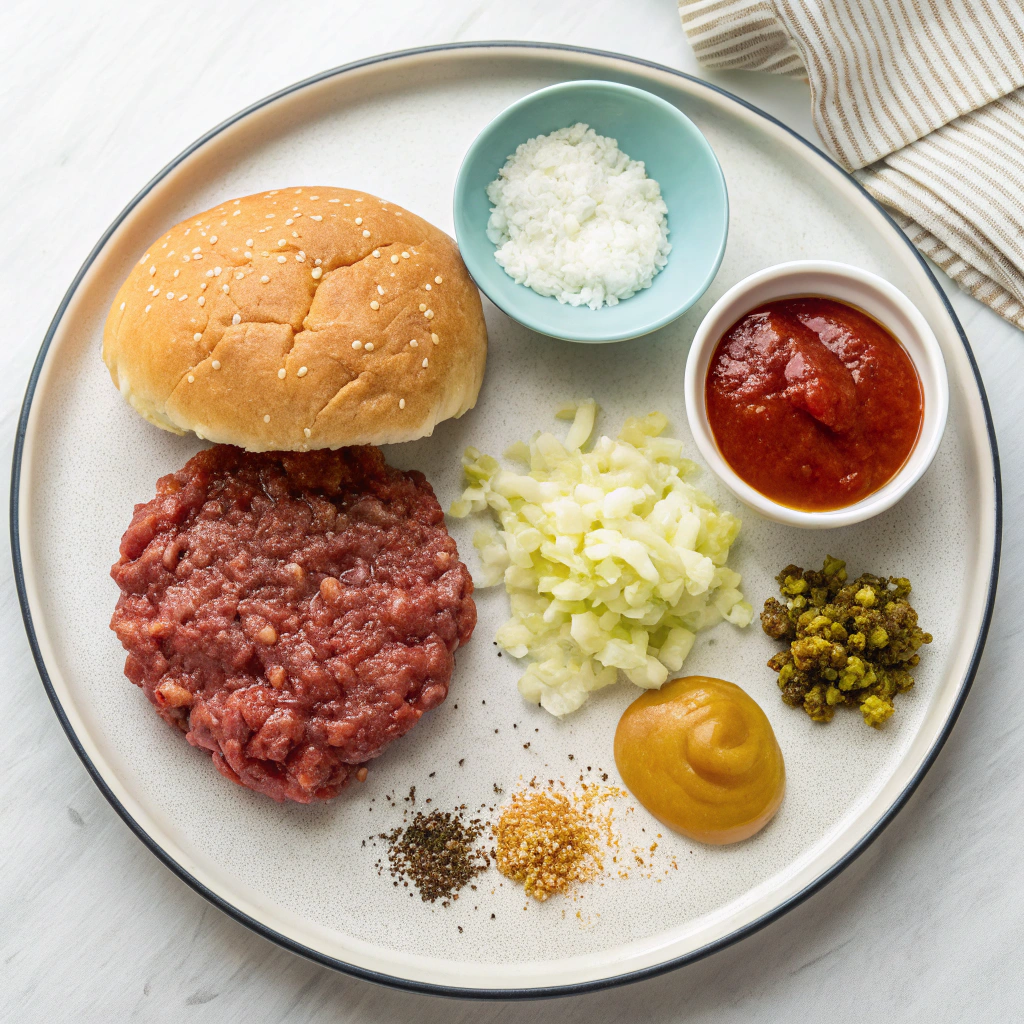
point(702, 757)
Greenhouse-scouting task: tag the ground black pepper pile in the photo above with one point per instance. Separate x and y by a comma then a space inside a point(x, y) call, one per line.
point(437, 852)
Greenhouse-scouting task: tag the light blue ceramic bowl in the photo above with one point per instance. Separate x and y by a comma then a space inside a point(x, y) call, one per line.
point(676, 155)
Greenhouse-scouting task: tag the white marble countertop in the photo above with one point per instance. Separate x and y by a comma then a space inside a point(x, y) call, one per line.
point(925, 926)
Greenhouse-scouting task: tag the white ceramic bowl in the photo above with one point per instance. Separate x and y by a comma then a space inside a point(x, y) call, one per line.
point(888, 306)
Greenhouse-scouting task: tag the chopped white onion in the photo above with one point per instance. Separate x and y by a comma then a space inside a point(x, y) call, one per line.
point(611, 559)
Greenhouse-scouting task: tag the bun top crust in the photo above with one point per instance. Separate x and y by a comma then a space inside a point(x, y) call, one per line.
point(299, 318)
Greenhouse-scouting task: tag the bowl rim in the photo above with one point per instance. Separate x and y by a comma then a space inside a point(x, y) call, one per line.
point(462, 226)
point(927, 359)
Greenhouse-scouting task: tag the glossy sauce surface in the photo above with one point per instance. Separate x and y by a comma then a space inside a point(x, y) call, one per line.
point(812, 402)
point(701, 756)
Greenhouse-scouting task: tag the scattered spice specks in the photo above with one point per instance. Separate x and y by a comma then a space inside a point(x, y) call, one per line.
point(437, 852)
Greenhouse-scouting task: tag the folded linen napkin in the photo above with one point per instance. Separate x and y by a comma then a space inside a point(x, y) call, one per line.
point(922, 99)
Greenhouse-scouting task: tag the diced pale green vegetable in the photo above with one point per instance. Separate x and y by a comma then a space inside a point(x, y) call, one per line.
point(612, 559)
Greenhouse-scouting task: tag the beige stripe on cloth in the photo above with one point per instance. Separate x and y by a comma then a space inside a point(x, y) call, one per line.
point(922, 99)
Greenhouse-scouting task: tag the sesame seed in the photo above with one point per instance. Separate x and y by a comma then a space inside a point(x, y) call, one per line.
point(307, 431)
point(303, 370)
point(196, 249)
point(216, 364)
point(198, 336)
point(435, 339)
point(380, 291)
point(236, 319)
point(295, 234)
point(316, 273)
point(191, 379)
point(427, 287)
point(376, 256)
point(266, 418)
point(176, 273)
point(394, 259)
point(248, 255)
point(216, 272)
point(198, 256)
point(405, 255)
point(359, 220)
point(264, 279)
point(429, 314)
point(282, 241)
point(235, 214)
point(401, 403)
point(318, 262)
point(335, 201)
point(281, 373)
point(202, 287)
point(237, 201)
point(300, 257)
point(357, 344)
point(148, 308)
point(170, 295)
point(314, 198)
point(202, 300)
point(209, 273)
point(375, 304)
point(213, 240)
point(414, 343)
point(248, 242)
point(225, 289)
point(122, 307)
point(282, 259)
point(366, 234)
point(423, 307)
point(369, 346)
point(269, 215)
point(185, 259)
point(437, 280)
point(152, 271)
point(315, 216)
point(298, 191)
point(239, 275)
point(360, 199)
point(424, 364)
point(289, 222)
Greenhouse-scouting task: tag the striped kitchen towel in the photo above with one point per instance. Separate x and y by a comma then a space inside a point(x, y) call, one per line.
point(922, 99)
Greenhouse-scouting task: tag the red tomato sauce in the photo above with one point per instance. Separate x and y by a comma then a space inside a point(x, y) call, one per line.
point(813, 403)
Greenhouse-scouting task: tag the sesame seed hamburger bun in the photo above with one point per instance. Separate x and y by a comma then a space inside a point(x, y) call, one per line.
point(299, 318)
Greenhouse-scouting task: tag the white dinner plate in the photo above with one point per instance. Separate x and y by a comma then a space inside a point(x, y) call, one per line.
point(397, 126)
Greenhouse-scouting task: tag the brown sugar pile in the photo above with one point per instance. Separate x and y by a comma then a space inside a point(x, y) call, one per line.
point(550, 840)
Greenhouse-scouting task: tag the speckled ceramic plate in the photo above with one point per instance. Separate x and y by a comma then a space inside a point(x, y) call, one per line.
point(398, 126)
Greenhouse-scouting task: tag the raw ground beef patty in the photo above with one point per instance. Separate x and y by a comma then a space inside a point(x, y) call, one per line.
point(291, 613)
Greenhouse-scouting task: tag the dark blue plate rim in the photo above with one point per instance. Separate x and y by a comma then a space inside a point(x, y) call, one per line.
point(375, 976)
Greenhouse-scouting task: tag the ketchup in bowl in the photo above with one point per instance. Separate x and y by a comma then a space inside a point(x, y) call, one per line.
point(813, 403)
